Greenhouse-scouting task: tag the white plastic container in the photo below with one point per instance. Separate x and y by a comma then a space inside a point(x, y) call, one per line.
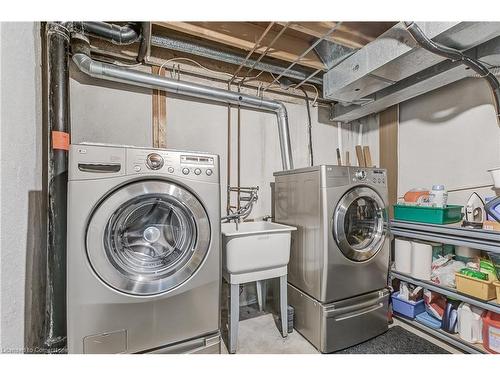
point(438, 196)
point(470, 323)
point(495, 174)
point(421, 260)
point(402, 255)
point(466, 252)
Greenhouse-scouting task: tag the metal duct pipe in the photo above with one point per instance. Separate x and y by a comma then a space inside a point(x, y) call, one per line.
point(55, 184)
point(116, 34)
point(114, 73)
point(456, 55)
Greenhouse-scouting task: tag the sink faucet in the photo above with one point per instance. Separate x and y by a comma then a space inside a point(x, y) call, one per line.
point(249, 195)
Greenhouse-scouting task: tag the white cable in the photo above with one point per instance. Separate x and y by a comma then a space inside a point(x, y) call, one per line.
point(339, 137)
point(175, 70)
point(202, 67)
point(273, 84)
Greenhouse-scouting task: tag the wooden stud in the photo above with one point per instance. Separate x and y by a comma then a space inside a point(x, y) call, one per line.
point(388, 141)
point(159, 101)
point(368, 156)
point(360, 156)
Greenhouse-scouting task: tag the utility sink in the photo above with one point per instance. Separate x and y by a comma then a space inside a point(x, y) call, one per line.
point(254, 250)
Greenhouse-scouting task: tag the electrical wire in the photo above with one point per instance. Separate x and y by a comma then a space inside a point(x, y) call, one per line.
point(176, 70)
point(316, 97)
point(201, 66)
point(276, 83)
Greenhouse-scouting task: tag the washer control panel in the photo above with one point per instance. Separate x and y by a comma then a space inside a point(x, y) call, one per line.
point(176, 163)
point(373, 176)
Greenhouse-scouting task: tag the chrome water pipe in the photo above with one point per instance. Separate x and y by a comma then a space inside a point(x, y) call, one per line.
point(114, 73)
point(245, 194)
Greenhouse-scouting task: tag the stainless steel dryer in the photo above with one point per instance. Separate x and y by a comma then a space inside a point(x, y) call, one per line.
point(339, 260)
point(143, 263)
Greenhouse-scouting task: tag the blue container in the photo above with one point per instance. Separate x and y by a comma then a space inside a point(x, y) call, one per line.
point(426, 319)
point(410, 309)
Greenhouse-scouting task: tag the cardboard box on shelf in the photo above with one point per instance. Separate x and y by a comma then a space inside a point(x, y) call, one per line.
point(491, 225)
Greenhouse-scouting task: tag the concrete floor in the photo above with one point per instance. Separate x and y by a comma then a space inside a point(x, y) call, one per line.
point(260, 335)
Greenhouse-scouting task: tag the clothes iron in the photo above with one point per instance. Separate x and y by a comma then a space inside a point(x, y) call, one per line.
point(475, 213)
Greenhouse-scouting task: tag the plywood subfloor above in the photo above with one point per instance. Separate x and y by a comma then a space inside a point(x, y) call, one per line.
point(292, 43)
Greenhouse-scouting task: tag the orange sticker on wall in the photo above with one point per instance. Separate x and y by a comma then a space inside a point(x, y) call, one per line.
point(60, 140)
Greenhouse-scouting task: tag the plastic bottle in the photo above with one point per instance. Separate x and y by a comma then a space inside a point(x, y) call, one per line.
point(491, 332)
point(470, 323)
point(438, 196)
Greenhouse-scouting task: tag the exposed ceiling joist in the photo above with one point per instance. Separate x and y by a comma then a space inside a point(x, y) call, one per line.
point(348, 34)
point(243, 35)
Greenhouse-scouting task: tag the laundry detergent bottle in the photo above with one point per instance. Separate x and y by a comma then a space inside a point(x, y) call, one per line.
point(491, 332)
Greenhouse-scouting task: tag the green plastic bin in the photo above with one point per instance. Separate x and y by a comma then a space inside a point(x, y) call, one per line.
point(431, 215)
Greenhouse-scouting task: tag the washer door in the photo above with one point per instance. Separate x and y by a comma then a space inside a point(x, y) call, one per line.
point(359, 224)
point(148, 237)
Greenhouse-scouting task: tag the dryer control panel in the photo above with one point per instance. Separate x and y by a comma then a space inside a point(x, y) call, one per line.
point(373, 176)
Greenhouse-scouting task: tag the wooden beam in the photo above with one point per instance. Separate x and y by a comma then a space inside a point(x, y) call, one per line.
point(388, 141)
point(159, 100)
point(243, 35)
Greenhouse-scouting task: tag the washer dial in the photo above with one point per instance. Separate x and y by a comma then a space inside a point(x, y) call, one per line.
point(154, 161)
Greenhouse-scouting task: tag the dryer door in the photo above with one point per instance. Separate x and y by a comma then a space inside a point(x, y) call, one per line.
point(148, 237)
point(360, 224)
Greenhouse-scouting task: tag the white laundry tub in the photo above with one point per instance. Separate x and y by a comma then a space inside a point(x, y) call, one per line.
point(255, 249)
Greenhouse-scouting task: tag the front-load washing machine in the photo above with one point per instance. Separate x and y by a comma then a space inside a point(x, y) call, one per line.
point(143, 258)
point(339, 259)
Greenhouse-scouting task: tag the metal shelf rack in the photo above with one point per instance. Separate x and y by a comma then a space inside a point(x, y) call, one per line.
point(450, 234)
point(450, 338)
point(491, 306)
point(454, 235)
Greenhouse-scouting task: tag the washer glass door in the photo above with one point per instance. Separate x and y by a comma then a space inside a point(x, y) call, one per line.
point(359, 224)
point(148, 237)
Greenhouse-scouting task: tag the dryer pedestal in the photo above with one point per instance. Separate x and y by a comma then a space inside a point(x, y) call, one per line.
point(341, 324)
point(211, 344)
